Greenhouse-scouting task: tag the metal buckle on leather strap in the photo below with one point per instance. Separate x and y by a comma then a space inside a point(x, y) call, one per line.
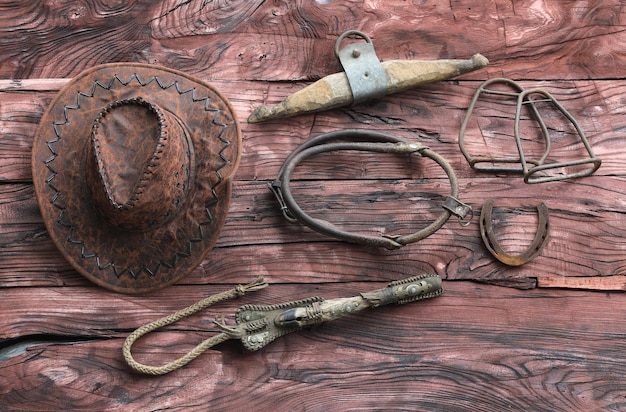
point(363, 140)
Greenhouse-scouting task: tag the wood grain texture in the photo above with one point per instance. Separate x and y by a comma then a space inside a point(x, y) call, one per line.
point(432, 115)
point(471, 348)
point(547, 336)
point(280, 40)
point(617, 282)
point(587, 233)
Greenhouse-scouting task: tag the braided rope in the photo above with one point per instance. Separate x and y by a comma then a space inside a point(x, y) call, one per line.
point(235, 292)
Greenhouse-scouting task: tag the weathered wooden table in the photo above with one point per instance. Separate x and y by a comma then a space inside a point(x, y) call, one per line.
point(549, 335)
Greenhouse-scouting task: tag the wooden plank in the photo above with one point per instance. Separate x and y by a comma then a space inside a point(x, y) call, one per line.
point(475, 347)
point(551, 340)
point(37, 85)
point(587, 233)
point(259, 40)
point(617, 282)
point(431, 115)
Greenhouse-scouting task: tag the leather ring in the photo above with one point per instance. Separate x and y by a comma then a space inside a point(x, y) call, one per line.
point(363, 140)
point(492, 245)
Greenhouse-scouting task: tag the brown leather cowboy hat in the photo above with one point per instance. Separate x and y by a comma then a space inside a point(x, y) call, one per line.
point(132, 166)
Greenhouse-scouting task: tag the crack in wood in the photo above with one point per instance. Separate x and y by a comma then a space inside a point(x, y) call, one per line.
point(183, 3)
point(10, 348)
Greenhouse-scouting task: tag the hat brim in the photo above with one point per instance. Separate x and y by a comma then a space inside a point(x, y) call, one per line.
point(133, 261)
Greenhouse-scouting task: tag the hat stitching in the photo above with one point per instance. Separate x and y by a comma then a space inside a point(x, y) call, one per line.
point(152, 163)
point(84, 253)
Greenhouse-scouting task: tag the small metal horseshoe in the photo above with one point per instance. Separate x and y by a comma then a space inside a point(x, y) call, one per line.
point(536, 246)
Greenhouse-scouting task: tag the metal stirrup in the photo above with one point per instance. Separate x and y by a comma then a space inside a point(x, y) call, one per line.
point(532, 169)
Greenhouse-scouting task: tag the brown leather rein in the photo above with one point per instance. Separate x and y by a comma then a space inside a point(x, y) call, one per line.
point(363, 140)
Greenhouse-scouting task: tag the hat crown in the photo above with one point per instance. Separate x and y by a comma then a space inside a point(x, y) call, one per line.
point(139, 167)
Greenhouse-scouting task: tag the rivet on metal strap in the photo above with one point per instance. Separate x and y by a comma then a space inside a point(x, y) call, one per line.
point(536, 246)
point(365, 74)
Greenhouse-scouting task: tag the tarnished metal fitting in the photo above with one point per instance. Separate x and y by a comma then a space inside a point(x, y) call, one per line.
point(256, 326)
point(364, 71)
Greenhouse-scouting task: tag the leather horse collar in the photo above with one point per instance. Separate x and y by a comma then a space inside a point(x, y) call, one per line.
point(363, 140)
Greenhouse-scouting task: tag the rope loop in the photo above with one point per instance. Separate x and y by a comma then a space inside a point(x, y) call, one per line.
point(237, 291)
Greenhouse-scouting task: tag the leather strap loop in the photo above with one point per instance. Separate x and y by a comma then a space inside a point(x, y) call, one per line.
point(361, 140)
